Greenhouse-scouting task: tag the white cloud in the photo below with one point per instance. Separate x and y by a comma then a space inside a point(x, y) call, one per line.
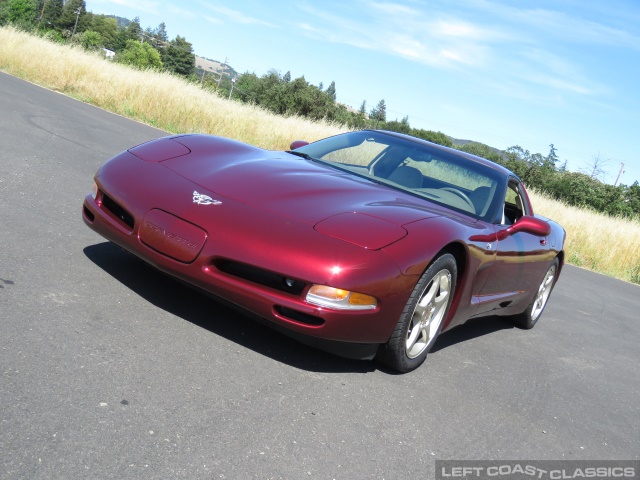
point(560, 25)
point(235, 15)
point(419, 36)
point(147, 6)
point(485, 40)
point(213, 20)
point(183, 12)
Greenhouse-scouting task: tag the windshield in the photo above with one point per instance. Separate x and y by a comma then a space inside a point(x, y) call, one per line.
point(412, 166)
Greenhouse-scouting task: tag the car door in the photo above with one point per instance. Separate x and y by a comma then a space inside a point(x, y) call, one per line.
point(520, 260)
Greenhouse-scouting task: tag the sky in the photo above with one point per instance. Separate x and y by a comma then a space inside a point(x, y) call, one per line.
point(501, 72)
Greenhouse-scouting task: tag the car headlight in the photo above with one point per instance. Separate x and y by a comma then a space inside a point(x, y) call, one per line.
point(341, 299)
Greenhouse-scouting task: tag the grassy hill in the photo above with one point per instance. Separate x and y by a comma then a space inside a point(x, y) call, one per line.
point(213, 67)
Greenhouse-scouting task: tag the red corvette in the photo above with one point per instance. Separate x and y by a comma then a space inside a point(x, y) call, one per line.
point(367, 244)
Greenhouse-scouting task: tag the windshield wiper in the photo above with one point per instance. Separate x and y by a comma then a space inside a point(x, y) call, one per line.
point(300, 154)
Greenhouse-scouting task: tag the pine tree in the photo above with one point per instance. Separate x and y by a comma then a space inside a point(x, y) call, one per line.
point(379, 113)
point(178, 57)
point(49, 13)
point(331, 91)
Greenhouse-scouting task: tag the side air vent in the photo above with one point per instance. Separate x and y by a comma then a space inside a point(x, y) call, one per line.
point(119, 212)
point(260, 276)
point(299, 317)
point(88, 215)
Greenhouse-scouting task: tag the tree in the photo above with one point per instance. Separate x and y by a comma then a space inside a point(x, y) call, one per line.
point(482, 150)
point(379, 113)
point(159, 37)
point(431, 136)
point(73, 16)
point(107, 27)
point(21, 13)
point(140, 55)
point(552, 158)
point(4, 13)
point(632, 199)
point(399, 126)
point(178, 57)
point(597, 167)
point(49, 13)
point(331, 91)
point(287, 77)
point(133, 31)
point(90, 40)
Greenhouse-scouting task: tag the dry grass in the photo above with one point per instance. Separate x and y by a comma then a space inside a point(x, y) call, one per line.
point(159, 99)
point(604, 244)
point(607, 245)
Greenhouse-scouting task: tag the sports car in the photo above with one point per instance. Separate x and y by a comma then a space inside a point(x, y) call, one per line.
point(367, 244)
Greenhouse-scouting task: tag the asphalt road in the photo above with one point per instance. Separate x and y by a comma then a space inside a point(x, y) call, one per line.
point(109, 369)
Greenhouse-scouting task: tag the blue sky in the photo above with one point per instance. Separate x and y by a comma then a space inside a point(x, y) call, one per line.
point(501, 72)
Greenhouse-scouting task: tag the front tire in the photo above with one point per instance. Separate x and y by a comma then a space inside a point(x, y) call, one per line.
point(530, 316)
point(421, 320)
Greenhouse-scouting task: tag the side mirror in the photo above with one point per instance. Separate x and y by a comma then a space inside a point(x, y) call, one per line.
point(527, 224)
point(297, 144)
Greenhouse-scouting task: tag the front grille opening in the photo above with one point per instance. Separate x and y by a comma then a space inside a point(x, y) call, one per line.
point(299, 317)
point(88, 214)
point(120, 213)
point(260, 276)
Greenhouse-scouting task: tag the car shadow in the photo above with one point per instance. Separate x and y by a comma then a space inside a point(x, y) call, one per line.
point(215, 316)
point(474, 328)
point(240, 327)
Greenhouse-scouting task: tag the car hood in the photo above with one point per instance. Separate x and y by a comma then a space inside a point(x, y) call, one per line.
point(291, 186)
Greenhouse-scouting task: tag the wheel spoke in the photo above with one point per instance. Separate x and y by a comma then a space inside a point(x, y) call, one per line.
point(421, 308)
point(428, 314)
point(543, 293)
point(430, 294)
point(415, 332)
point(444, 284)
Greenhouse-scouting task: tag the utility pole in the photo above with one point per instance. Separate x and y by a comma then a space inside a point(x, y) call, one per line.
point(222, 72)
point(77, 12)
point(233, 82)
point(42, 13)
point(619, 174)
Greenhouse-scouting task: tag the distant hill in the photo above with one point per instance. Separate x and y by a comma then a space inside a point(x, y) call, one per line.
point(122, 22)
point(457, 141)
point(213, 67)
point(460, 143)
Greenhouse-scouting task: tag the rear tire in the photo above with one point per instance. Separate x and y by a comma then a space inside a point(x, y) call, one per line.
point(530, 316)
point(422, 318)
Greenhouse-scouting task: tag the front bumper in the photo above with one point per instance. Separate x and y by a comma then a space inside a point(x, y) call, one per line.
point(354, 334)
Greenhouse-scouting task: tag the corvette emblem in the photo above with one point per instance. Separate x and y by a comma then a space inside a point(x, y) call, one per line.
point(201, 199)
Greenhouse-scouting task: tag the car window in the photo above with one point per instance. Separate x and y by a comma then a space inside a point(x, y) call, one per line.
point(360, 155)
point(440, 176)
point(514, 206)
point(454, 175)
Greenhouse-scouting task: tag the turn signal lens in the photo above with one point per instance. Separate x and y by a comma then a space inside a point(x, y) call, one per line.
point(361, 299)
point(330, 293)
point(341, 299)
point(95, 190)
